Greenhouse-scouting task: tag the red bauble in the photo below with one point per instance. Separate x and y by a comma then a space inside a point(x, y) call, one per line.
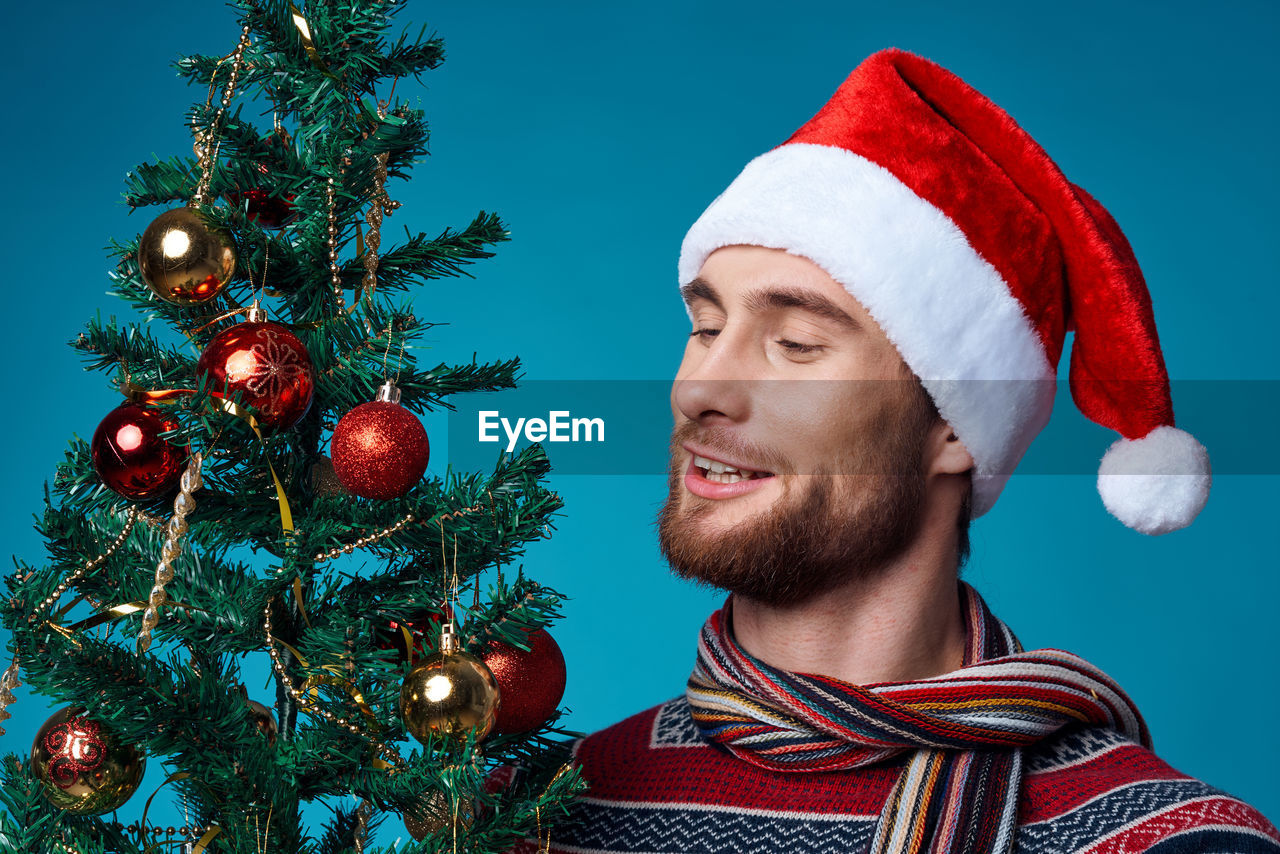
point(267, 209)
point(380, 449)
point(531, 682)
point(131, 457)
point(262, 207)
point(267, 365)
point(392, 635)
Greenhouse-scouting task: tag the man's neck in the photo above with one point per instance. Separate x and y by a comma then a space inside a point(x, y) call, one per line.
point(903, 624)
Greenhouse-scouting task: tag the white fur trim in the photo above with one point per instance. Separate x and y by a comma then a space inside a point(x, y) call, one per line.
point(947, 310)
point(1155, 484)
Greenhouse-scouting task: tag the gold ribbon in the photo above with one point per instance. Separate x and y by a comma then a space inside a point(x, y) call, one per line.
point(162, 395)
point(203, 844)
point(298, 597)
point(111, 614)
point(142, 824)
point(335, 678)
point(212, 831)
point(74, 602)
point(114, 613)
point(311, 683)
point(292, 649)
point(308, 44)
point(286, 514)
point(408, 642)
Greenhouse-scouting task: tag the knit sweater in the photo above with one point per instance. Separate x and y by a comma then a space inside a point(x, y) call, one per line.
point(657, 787)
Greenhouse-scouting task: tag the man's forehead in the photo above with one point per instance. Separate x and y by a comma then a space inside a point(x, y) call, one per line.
point(761, 279)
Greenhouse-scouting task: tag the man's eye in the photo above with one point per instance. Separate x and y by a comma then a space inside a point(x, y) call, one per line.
point(797, 347)
point(704, 333)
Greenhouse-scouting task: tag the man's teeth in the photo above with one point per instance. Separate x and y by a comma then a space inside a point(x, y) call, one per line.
point(718, 472)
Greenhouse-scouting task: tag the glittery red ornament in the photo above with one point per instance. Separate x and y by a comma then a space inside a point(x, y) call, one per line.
point(531, 682)
point(131, 457)
point(262, 207)
point(379, 449)
point(266, 364)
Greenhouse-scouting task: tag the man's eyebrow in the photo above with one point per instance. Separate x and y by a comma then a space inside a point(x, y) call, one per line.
point(801, 298)
point(700, 288)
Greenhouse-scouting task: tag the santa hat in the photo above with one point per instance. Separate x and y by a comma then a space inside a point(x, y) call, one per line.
point(976, 256)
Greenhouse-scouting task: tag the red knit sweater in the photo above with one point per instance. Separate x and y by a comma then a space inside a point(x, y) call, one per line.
point(656, 786)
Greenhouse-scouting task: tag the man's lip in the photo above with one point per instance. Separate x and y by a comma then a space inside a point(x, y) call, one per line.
point(718, 457)
point(703, 488)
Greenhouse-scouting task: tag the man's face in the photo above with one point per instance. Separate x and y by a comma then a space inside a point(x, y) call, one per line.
point(789, 383)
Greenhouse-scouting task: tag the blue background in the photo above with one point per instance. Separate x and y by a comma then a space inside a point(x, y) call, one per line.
point(599, 132)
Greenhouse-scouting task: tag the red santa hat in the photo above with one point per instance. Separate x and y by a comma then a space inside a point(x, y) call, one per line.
point(976, 256)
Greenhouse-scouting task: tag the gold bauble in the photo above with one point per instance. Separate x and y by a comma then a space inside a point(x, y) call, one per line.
point(451, 693)
point(434, 813)
point(264, 719)
point(81, 767)
point(184, 259)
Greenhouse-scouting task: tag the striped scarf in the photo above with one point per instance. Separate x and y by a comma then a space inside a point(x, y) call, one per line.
point(959, 791)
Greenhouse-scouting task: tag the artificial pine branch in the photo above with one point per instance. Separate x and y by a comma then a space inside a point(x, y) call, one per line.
point(182, 702)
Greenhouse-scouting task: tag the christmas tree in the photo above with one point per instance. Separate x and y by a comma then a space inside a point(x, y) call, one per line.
point(260, 495)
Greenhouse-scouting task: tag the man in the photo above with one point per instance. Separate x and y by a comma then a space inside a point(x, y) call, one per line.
point(879, 305)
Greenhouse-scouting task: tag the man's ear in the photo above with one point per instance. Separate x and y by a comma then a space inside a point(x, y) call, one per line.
point(947, 454)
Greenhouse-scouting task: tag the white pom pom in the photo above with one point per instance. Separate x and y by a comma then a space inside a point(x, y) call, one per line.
point(1155, 484)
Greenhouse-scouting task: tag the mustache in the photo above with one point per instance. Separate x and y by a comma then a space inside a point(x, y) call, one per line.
point(751, 454)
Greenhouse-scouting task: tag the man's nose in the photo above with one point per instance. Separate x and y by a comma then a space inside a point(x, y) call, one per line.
point(718, 386)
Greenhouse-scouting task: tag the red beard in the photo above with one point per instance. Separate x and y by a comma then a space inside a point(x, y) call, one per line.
point(827, 529)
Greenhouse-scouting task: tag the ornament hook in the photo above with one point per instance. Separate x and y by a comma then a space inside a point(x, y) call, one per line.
point(388, 392)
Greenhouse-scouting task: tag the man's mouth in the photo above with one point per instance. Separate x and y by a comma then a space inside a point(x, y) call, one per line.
point(718, 471)
point(717, 479)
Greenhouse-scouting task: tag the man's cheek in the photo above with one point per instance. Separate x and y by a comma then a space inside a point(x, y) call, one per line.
point(800, 413)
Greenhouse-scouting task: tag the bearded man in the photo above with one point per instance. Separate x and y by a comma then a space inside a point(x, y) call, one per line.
point(879, 305)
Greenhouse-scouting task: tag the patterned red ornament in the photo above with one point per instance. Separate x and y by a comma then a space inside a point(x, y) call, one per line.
point(380, 449)
point(531, 682)
point(131, 457)
point(266, 364)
